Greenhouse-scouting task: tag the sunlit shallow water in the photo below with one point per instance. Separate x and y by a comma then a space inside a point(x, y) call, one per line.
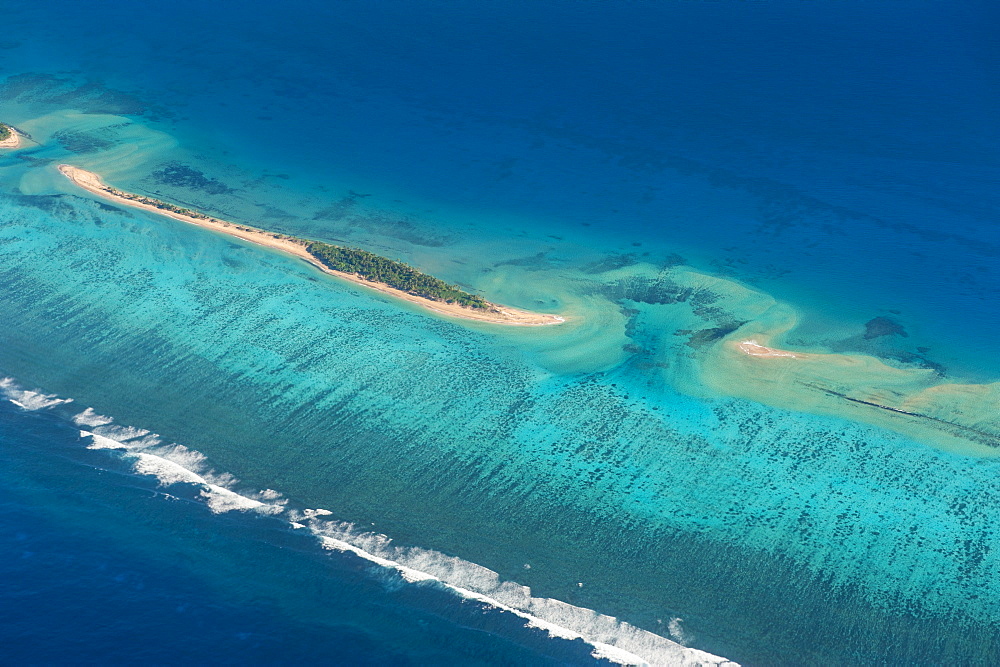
point(597, 462)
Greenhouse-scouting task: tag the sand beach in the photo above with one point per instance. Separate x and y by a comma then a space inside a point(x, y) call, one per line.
point(13, 141)
point(92, 183)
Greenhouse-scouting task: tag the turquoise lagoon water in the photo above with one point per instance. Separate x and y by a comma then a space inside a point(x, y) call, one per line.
point(335, 476)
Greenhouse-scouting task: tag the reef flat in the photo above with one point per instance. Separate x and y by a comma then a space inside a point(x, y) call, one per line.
point(359, 266)
point(754, 362)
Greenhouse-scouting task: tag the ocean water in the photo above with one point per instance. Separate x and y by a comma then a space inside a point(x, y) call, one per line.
point(212, 451)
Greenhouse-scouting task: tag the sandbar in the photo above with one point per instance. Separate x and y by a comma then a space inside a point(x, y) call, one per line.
point(92, 183)
point(755, 349)
point(13, 141)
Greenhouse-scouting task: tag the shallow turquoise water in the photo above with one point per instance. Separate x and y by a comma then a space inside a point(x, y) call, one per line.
point(445, 438)
point(564, 459)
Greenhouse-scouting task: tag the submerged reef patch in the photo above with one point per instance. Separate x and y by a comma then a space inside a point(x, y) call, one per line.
point(719, 338)
point(883, 326)
point(81, 142)
point(909, 399)
point(181, 175)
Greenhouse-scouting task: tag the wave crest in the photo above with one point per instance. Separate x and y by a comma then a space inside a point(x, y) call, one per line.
point(172, 464)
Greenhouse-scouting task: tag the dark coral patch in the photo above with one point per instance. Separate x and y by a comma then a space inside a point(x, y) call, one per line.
point(883, 326)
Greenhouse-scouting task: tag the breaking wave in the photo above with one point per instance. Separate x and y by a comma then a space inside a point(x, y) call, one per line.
point(174, 464)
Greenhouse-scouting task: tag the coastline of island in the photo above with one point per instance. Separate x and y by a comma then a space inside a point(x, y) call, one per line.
point(755, 349)
point(9, 137)
point(325, 256)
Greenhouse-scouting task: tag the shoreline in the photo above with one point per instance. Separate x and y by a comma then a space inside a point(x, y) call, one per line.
point(13, 141)
point(755, 349)
point(92, 183)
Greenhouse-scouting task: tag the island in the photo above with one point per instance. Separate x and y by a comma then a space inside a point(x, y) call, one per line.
point(9, 137)
point(755, 349)
point(358, 266)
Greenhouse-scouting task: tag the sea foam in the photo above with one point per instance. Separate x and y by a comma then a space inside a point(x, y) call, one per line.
point(611, 638)
point(171, 463)
point(29, 400)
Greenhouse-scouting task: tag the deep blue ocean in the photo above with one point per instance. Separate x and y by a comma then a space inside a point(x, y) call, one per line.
point(212, 453)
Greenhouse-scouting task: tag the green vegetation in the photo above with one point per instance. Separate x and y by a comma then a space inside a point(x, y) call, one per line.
point(349, 260)
point(394, 274)
point(5, 131)
point(149, 201)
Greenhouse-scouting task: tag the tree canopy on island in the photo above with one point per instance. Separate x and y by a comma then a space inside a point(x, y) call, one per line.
point(4, 132)
point(366, 264)
point(162, 205)
point(403, 277)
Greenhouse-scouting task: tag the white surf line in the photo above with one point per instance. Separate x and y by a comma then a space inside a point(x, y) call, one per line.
point(658, 650)
point(611, 638)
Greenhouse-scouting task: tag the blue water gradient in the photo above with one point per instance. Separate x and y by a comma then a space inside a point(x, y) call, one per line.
point(109, 567)
point(843, 156)
point(840, 156)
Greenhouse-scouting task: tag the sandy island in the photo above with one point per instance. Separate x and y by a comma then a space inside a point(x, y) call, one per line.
point(755, 349)
point(13, 141)
point(91, 182)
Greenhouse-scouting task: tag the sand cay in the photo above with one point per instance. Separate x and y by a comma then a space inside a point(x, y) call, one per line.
point(914, 401)
point(755, 349)
point(12, 141)
point(737, 342)
point(92, 183)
